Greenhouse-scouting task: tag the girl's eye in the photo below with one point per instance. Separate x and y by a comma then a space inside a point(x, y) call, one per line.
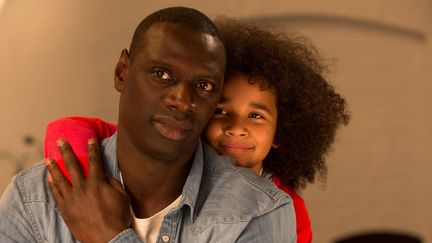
point(205, 86)
point(255, 116)
point(162, 75)
point(220, 111)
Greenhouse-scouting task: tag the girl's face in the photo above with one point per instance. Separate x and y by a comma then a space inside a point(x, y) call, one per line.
point(244, 124)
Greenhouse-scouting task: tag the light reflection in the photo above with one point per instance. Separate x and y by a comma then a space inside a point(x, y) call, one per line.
point(2, 2)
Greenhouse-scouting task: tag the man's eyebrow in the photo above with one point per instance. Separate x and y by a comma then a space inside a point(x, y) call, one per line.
point(260, 106)
point(154, 62)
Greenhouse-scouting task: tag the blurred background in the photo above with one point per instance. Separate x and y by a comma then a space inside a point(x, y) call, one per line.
point(57, 59)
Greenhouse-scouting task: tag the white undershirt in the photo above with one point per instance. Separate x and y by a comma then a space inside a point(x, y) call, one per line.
point(147, 229)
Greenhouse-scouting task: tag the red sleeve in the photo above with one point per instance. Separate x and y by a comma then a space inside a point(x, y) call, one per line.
point(304, 227)
point(77, 131)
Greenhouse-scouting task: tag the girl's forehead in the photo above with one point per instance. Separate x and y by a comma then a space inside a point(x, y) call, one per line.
point(238, 84)
point(240, 91)
point(248, 79)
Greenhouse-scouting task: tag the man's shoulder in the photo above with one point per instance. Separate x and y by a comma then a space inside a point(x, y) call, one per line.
point(231, 199)
point(32, 184)
point(240, 187)
point(28, 211)
point(260, 193)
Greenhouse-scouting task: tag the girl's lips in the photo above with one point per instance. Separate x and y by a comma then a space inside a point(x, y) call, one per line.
point(234, 149)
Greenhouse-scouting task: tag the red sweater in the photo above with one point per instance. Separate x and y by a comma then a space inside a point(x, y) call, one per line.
point(304, 227)
point(77, 130)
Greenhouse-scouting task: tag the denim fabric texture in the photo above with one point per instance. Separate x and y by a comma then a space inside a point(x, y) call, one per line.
point(220, 203)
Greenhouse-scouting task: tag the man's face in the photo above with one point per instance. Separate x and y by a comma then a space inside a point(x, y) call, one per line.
point(169, 90)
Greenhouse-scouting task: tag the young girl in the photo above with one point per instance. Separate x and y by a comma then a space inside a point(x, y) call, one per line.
point(277, 114)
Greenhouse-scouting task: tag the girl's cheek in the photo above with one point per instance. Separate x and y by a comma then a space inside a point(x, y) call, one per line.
point(211, 131)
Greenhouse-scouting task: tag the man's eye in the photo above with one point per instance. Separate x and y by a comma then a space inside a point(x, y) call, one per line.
point(163, 75)
point(220, 111)
point(255, 116)
point(205, 86)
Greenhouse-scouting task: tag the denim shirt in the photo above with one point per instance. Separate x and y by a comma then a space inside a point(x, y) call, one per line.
point(220, 203)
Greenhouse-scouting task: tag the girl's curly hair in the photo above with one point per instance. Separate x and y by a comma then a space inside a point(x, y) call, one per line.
point(309, 109)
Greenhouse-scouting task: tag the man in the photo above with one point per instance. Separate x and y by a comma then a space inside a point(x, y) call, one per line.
point(170, 83)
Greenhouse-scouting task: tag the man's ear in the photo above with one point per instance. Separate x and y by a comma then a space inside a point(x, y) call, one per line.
point(121, 70)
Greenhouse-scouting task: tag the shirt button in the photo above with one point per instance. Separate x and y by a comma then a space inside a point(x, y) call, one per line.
point(165, 238)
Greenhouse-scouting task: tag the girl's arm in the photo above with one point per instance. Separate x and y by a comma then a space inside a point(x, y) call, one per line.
point(304, 226)
point(77, 131)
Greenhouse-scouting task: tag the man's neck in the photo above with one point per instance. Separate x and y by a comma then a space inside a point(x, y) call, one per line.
point(152, 185)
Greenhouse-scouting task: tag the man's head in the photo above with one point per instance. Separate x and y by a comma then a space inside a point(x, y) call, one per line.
point(179, 15)
point(170, 84)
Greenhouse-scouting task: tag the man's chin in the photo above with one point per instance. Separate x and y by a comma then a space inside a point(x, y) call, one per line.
point(171, 151)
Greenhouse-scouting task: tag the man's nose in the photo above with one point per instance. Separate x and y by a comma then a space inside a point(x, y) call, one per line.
point(235, 127)
point(181, 98)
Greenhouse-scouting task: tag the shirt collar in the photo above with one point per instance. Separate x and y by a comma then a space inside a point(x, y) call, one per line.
point(109, 156)
point(193, 182)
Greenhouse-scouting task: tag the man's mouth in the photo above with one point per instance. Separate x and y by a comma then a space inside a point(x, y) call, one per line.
point(171, 128)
